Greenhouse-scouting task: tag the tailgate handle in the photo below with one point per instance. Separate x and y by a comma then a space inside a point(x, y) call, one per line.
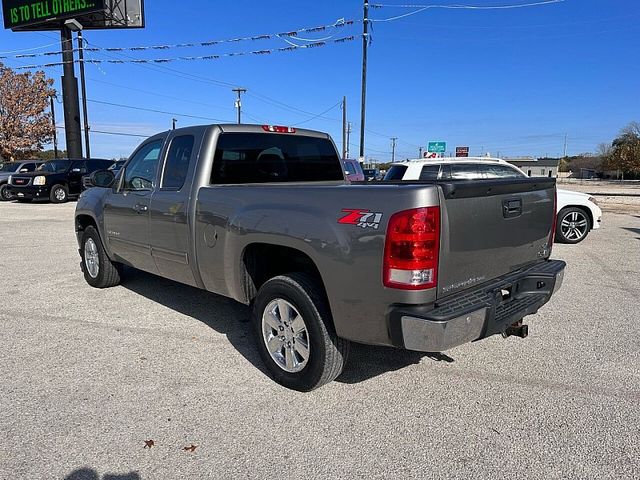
point(512, 208)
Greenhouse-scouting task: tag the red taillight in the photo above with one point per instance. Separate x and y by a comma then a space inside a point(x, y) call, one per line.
point(555, 219)
point(411, 249)
point(278, 129)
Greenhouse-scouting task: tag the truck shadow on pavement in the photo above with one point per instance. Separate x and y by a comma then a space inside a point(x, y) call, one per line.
point(228, 317)
point(632, 230)
point(91, 474)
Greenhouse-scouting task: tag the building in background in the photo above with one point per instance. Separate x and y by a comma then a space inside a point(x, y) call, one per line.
point(536, 167)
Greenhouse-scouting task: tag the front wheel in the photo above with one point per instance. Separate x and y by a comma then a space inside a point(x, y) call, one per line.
point(5, 194)
point(99, 271)
point(572, 226)
point(59, 194)
point(294, 333)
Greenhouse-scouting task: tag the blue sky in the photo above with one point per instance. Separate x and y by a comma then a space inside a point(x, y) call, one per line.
point(509, 82)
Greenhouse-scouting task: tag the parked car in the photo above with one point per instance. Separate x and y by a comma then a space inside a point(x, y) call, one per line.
point(55, 180)
point(10, 168)
point(353, 170)
point(371, 174)
point(264, 215)
point(115, 168)
point(578, 213)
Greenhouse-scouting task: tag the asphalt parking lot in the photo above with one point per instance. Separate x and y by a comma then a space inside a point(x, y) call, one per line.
point(89, 375)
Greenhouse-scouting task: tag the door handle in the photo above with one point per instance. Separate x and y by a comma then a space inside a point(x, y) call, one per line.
point(512, 208)
point(140, 208)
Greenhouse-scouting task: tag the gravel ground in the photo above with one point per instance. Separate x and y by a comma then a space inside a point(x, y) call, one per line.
point(611, 196)
point(89, 375)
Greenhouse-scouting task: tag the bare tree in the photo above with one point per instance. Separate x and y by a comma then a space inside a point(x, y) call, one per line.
point(25, 123)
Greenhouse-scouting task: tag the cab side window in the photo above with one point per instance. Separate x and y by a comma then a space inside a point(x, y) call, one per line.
point(28, 167)
point(429, 172)
point(465, 171)
point(79, 166)
point(141, 171)
point(177, 163)
point(499, 171)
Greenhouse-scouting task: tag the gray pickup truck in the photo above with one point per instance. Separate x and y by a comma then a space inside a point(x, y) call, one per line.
point(264, 215)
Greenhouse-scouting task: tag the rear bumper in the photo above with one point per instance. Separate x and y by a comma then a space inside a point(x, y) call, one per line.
point(476, 314)
point(30, 191)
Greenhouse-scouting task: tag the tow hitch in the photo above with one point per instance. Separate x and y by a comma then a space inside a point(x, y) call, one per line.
point(517, 329)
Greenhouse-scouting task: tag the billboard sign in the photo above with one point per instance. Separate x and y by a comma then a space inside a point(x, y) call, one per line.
point(22, 13)
point(37, 15)
point(437, 147)
point(462, 151)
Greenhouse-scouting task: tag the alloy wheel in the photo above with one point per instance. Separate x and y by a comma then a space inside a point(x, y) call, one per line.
point(574, 225)
point(91, 258)
point(285, 335)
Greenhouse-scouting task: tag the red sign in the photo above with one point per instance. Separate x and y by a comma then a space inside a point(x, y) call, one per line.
point(462, 151)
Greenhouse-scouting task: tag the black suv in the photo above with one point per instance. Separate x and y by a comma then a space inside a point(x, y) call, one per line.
point(8, 169)
point(55, 180)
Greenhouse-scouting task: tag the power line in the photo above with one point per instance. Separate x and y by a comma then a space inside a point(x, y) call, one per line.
point(61, 127)
point(196, 58)
point(318, 115)
point(102, 102)
point(422, 8)
point(339, 23)
point(28, 49)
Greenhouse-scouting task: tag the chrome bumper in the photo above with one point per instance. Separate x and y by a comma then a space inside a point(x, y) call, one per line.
point(479, 313)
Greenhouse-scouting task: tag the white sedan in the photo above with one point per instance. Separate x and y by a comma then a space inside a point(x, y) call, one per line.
point(578, 213)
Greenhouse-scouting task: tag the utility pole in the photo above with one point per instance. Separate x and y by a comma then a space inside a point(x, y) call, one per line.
point(239, 91)
point(83, 86)
point(420, 152)
point(393, 149)
point(348, 138)
point(344, 127)
point(365, 44)
point(70, 96)
point(55, 133)
point(173, 123)
point(565, 145)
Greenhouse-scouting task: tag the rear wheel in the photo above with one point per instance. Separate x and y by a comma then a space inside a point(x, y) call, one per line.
point(59, 194)
point(5, 194)
point(572, 226)
point(99, 271)
point(294, 333)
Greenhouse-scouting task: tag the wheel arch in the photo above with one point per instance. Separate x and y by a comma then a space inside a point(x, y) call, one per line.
point(583, 208)
point(260, 262)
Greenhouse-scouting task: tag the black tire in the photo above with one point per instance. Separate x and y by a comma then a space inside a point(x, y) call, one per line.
point(108, 274)
point(327, 354)
point(5, 195)
point(572, 225)
point(59, 194)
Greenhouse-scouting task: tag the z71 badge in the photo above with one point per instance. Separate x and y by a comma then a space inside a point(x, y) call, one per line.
point(361, 218)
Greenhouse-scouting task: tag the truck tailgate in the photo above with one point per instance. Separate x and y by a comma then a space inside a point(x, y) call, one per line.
point(492, 227)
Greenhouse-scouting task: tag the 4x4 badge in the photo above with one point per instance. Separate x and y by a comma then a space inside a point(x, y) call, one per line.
point(361, 218)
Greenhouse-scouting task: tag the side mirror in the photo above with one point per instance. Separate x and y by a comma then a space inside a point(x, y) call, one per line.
point(102, 178)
